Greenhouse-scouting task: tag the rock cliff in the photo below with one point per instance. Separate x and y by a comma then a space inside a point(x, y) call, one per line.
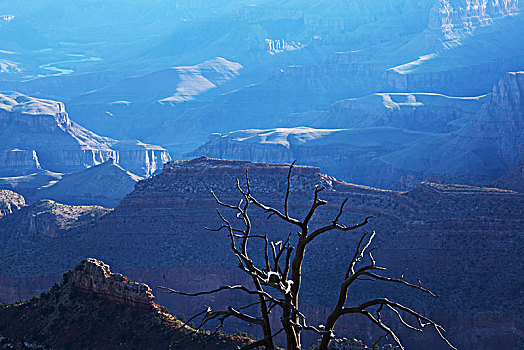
point(104, 184)
point(490, 144)
point(413, 111)
point(455, 19)
point(38, 134)
point(97, 309)
point(94, 277)
point(354, 155)
point(471, 140)
point(500, 122)
point(47, 218)
point(457, 228)
point(9, 202)
point(17, 161)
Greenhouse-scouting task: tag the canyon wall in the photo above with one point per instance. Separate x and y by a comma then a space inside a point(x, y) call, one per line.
point(38, 134)
point(157, 235)
point(471, 140)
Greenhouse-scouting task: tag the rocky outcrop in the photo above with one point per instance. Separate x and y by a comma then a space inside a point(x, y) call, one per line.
point(157, 235)
point(96, 309)
point(94, 277)
point(38, 134)
point(47, 218)
point(9, 202)
point(458, 18)
point(350, 154)
point(493, 141)
point(413, 111)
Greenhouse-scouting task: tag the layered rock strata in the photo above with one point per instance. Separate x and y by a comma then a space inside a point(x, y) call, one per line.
point(38, 134)
point(47, 218)
point(92, 276)
point(96, 309)
point(493, 141)
point(474, 144)
point(157, 235)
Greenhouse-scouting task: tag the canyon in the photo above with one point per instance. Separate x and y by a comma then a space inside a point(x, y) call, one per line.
point(234, 75)
point(162, 222)
point(38, 134)
point(388, 136)
point(411, 109)
point(104, 184)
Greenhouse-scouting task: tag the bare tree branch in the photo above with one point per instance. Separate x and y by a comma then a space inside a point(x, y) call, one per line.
point(275, 276)
point(288, 189)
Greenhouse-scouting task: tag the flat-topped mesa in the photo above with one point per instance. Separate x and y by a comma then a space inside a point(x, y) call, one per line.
point(193, 176)
point(459, 190)
point(38, 134)
point(218, 166)
point(32, 113)
point(92, 276)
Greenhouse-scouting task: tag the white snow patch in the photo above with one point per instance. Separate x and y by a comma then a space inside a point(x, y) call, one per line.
point(409, 67)
point(123, 103)
point(280, 136)
point(9, 67)
point(193, 81)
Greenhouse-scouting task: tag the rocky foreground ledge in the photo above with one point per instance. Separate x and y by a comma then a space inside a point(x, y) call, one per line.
point(93, 308)
point(92, 276)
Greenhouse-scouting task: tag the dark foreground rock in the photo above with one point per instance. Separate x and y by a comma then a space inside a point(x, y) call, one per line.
point(93, 308)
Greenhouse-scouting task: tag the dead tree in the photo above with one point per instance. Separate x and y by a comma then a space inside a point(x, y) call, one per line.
point(276, 284)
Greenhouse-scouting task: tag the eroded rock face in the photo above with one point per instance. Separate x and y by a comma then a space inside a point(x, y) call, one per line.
point(401, 135)
point(9, 202)
point(493, 141)
point(93, 276)
point(47, 218)
point(457, 18)
point(96, 309)
point(38, 134)
point(15, 162)
point(157, 235)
